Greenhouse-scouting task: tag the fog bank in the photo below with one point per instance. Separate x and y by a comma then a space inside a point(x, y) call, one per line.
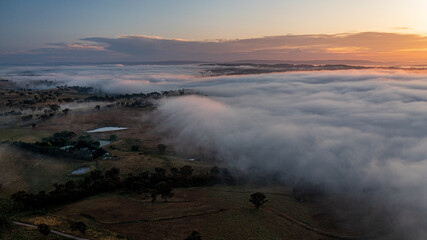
point(358, 132)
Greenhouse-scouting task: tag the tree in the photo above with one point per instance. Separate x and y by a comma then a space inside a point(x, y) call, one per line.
point(66, 111)
point(99, 152)
point(162, 148)
point(135, 148)
point(194, 236)
point(164, 189)
point(43, 229)
point(258, 199)
point(113, 138)
point(186, 171)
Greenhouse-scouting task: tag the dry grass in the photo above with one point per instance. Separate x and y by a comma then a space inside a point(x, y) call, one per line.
point(25, 134)
point(22, 170)
point(217, 213)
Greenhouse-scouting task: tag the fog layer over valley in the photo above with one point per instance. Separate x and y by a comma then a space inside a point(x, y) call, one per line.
point(362, 133)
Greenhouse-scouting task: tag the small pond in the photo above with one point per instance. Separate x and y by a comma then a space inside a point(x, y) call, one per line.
point(80, 170)
point(107, 129)
point(103, 142)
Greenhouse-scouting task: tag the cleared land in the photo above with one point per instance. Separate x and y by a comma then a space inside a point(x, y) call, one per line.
point(217, 213)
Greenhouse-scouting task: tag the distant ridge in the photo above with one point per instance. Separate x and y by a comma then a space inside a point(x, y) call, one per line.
point(110, 63)
point(312, 62)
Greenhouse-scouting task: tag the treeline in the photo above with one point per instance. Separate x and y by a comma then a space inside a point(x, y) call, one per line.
point(63, 144)
point(111, 98)
point(156, 183)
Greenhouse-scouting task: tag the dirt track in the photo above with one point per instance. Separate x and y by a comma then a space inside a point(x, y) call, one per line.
point(52, 231)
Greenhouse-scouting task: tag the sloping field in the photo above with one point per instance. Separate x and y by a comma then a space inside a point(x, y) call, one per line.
point(217, 213)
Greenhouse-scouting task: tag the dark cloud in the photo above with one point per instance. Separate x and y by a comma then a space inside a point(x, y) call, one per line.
point(373, 46)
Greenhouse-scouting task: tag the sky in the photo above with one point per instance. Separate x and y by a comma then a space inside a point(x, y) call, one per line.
point(52, 30)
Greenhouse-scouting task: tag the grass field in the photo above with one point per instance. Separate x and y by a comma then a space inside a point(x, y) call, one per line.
point(26, 134)
point(217, 213)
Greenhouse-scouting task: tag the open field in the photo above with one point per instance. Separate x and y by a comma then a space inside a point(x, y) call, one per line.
point(217, 213)
point(25, 134)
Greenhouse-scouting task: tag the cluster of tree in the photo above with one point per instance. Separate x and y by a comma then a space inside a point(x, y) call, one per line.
point(13, 113)
point(156, 183)
point(96, 182)
point(96, 98)
point(78, 89)
point(27, 118)
point(139, 96)
point(138, 104)
point(62, 144)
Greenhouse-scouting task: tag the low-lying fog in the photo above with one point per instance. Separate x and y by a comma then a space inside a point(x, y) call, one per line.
point(354, 131)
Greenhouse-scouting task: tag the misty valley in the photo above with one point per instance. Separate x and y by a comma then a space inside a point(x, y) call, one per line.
point(212, 151)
